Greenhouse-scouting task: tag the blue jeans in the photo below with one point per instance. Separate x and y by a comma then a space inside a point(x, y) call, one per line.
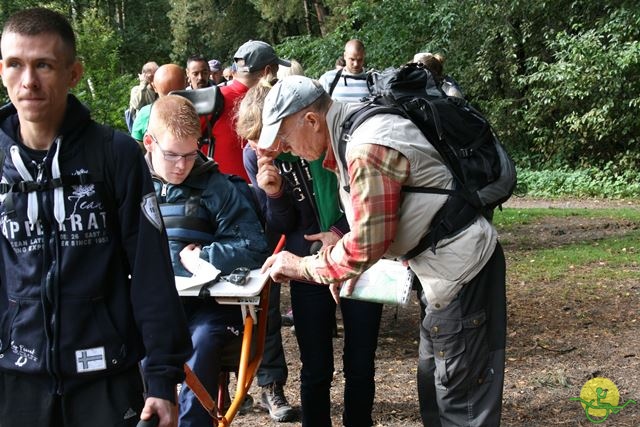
point(461, 361)
point(212, 327)
point(314, 316)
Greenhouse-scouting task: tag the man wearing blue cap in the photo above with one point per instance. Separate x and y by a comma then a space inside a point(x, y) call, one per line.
point(463, 334)
point(215, 72)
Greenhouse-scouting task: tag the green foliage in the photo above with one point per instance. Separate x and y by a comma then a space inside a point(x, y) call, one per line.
point(145, 35)
point(102, 89)
point(578, 103)
point(212, 28)
point(608, 181)
point(559, 80)
point(391, 35)
point(280, 11)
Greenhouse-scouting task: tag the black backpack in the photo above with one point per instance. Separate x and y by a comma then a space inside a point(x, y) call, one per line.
point(484, 174)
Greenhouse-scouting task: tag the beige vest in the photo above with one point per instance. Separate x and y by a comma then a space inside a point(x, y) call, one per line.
point(457, 259)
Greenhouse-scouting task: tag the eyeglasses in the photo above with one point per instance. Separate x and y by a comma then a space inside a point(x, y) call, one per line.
point(283, 144)
point(283, 139)
point(173, 157)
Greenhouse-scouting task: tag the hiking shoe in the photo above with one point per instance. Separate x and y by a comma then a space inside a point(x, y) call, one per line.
point(246, 406)
point(274, 401)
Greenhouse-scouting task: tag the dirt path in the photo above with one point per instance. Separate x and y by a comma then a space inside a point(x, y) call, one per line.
point(560, 334)
point(525, 202)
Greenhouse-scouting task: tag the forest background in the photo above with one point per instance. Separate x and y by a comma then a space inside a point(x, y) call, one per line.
point(558, 79)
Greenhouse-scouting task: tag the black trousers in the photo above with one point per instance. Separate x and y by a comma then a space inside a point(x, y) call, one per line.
point(28, 401)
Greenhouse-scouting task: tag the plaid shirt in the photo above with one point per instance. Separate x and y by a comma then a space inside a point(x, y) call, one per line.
point(376, 176)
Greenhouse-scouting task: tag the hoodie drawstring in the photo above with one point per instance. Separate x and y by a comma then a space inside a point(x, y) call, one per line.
point(32, 198)
point(58, 192)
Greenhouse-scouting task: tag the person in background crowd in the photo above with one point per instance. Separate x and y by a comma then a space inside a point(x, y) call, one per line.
point(435, 64)
point(253, 60)
point(215, 72)
point(463, 335)
point(294, 69)
point(168, 78)
point(95, 293)
point(142, 94)
point(197, 72)
point(348, 83)
point(227, 73)
point(210, 222)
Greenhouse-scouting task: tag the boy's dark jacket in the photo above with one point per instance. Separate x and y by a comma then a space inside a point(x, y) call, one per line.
point(84, 299)
point(236, 235)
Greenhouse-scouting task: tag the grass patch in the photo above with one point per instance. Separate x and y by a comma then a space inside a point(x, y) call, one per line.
point(508, 217)
point(596, 259)
point(610, 258)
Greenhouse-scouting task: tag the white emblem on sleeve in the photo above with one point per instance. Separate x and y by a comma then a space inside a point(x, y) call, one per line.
point(90, 359)
point(150, 210)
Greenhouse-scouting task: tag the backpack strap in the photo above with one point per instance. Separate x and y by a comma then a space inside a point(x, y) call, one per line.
point(104, 136)
point(453, 217)
point(334, 83)
point(352, 122)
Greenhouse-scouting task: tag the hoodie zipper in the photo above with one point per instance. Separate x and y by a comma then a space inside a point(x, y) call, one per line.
point(51, 291)
point(40, 169)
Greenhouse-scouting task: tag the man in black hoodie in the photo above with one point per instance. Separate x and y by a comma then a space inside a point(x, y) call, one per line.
point(86, 283)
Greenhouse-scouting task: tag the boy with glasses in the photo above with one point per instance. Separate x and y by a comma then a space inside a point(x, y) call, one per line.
point(209, 221)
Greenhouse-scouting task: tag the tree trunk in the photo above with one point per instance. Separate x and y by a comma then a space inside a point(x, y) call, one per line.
point(307, 17)
point(320, 12)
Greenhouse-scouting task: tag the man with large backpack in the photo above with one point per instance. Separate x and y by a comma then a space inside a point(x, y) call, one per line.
point(462, 338)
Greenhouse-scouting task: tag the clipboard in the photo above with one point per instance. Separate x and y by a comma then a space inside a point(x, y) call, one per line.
point(221, 290)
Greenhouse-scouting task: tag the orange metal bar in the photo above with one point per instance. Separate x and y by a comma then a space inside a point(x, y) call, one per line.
point(248, 366)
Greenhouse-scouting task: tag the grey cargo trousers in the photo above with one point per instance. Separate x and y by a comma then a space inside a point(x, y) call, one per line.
point(462, 353)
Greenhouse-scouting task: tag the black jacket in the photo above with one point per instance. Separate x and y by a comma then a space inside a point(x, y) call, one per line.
point(292, 212)
point(83, 295)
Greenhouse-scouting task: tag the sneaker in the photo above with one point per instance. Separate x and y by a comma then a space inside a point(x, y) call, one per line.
point(274, 401)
